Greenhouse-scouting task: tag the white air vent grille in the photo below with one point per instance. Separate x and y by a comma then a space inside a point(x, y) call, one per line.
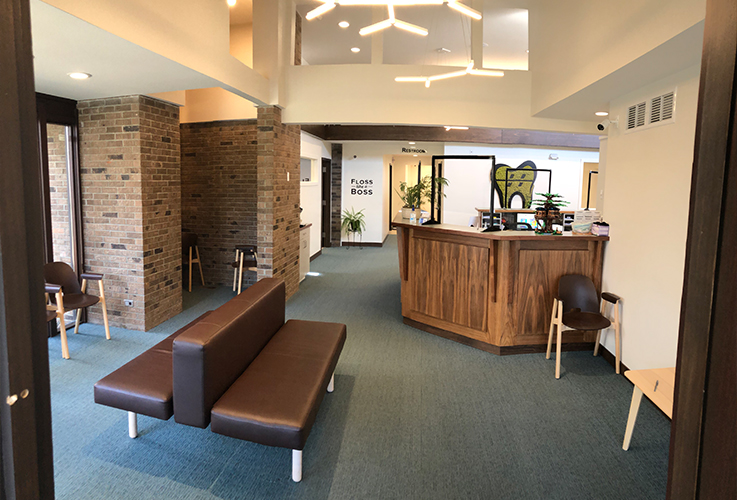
point(661, 107)
point(656, 110)
point(636, 116)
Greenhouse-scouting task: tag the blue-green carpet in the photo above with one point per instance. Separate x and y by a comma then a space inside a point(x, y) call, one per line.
point(413, 416)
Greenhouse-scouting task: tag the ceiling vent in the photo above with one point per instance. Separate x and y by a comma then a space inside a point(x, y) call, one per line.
point(657, 110)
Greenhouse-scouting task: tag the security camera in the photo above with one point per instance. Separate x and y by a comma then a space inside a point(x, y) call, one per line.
point(603, 125)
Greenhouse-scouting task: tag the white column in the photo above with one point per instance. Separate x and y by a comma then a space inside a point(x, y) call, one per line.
point(132, 425)
point(296, 465)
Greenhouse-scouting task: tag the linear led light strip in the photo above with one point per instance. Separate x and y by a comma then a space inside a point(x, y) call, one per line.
point(470, 70)
point(392, 21)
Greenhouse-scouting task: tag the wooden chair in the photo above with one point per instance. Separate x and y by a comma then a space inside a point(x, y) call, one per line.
point(189, 243)
point(64, 293)
point(245, 255)
point(577, 307)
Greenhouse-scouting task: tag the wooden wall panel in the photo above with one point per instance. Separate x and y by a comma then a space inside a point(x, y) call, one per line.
point(537, 282)
point(450, 281)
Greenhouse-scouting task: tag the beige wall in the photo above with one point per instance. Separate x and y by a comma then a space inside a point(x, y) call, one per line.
point(241, 43)
point(646, 201)
point(208, 105)
point(365, 93)
point(194, 33)
point(574, 43)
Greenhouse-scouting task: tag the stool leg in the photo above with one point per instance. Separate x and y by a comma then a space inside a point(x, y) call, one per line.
point(190, 269)
point(240, 274)
point(617, 339)
point(235, 272)
point(296, 465)
point(634, 408)
point(199, 264)
point(552, 326)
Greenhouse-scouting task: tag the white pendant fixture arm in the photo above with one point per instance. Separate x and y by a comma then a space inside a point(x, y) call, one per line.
point(470, 70)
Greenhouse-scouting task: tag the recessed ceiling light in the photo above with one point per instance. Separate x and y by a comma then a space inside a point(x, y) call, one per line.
point(231, 3)
point(79, 76)
point(411, 142)
point(355, 50)
point(601, 113)
point(344, 24)
point(414, 155)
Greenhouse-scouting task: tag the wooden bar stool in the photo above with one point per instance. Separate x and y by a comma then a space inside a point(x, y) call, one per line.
point(577, 307)
point(246, 259)
point(189, 242)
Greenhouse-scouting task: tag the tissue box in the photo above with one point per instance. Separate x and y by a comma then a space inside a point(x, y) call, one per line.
point(600, 229)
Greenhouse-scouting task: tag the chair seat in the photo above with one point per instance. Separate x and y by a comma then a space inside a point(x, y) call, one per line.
point(79, 300)
point(582, 320)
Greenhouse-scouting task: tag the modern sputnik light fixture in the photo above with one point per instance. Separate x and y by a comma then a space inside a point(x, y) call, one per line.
point(392, 20)
point(470, 70)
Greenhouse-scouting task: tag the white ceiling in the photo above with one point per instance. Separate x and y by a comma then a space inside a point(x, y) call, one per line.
point(505, 34)
point(63, 44)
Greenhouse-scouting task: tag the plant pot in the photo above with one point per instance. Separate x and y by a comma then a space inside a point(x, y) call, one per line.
point(406, 212)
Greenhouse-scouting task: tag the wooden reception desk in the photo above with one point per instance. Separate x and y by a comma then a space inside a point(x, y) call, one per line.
point(492, 291)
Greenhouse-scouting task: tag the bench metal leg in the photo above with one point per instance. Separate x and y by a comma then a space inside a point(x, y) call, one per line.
point(331, 385)
point(296, 465)
point(132, 425)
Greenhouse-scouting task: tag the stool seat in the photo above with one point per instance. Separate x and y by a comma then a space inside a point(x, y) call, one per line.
point(246, 258)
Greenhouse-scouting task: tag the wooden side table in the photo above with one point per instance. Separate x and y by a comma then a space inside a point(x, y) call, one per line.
point(657, 384)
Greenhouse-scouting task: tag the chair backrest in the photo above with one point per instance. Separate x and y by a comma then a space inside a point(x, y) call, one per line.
point(208, 357)
point(188, 240)
point(61, 273)
point(578, 292)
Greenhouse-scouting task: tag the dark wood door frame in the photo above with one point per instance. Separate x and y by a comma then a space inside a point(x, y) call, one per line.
point(703, 447)
point(327, 181)
point(25, 429)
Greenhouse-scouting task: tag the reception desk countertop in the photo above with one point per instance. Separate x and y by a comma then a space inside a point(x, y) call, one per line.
point(493, 291)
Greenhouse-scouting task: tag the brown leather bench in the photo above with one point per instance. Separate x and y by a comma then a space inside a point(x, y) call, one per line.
point(240, 368)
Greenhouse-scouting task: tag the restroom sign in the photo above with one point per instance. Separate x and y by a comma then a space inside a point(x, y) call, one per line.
point(362, 187)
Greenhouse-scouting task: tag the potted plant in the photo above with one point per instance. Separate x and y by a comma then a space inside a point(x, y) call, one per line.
point(547, 212)
point(414, 196)
point(353, 223)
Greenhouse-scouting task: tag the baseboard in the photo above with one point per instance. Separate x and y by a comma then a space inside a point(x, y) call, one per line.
point(494, 349)
point(319, 253)
point(354, 244)
point(612, 360)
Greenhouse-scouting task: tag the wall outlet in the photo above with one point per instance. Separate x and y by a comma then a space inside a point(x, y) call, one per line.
point(128, 303)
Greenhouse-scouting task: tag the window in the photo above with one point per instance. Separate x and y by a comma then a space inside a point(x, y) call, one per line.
point(306, 167)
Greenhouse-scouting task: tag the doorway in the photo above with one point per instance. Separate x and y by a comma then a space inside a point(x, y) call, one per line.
point(60, 185)
point(405, 168)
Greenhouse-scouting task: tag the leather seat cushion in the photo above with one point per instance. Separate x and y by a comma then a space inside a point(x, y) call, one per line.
point(275, 401)
point(78, 300)
point(144, 384)
point(582, 320)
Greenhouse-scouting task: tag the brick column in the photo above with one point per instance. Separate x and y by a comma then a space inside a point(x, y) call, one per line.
point(131, 207)
point(278, 198)
point(336, 193)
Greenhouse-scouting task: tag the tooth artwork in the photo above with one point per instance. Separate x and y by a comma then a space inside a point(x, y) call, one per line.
point(520, 182)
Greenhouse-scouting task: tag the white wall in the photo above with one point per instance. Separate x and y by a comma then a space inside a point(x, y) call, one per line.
point(310, 193)
point(370, 167)
point(574, 43)
point(469, 183)
point(646, 201)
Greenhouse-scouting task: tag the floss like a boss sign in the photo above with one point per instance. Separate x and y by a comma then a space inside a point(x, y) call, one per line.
point(362, 187)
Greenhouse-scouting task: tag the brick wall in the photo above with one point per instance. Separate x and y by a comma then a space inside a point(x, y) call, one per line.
point(162, 209)
point(219, 192)
point(125, 141)
point(336, 193)
point(278, 198)
point(59, 193)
